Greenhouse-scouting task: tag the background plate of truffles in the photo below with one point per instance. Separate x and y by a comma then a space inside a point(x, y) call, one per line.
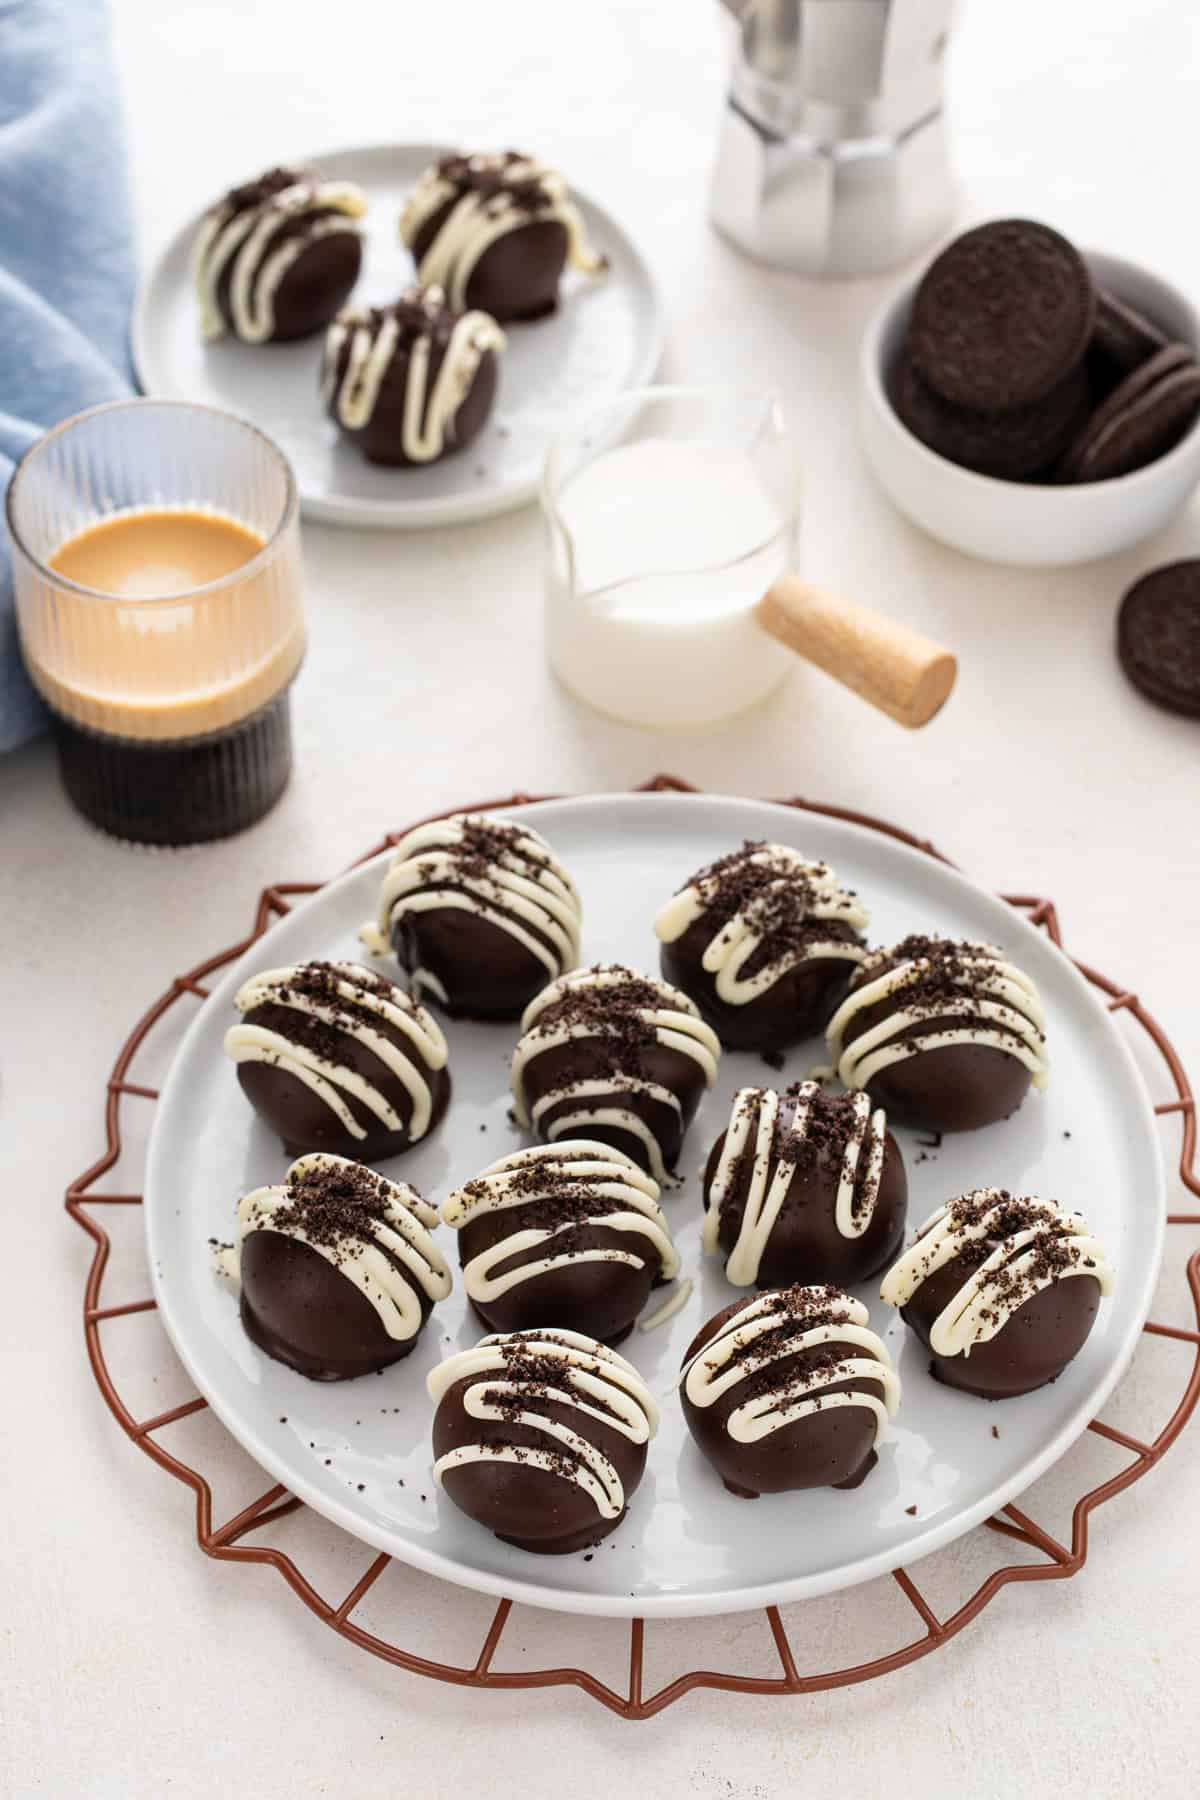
point(604, 337)
point(360, 1451)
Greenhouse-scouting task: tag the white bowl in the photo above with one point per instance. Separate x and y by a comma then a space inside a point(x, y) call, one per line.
point(1018, 522)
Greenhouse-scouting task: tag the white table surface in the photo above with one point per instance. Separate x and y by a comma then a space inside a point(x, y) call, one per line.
point(131, 1665)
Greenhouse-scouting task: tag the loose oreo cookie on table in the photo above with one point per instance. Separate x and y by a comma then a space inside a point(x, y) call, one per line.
point(276, 258)
point(480, 913)
point(804, 1187)
point(568, 1233)
point(764, 942)
point(789, 1390)
point(337, 1270)
point(1002, 1290)
point(411, 382)
point(617, 1057)
point(947, 1036)
point(496, 231)
point(1158, 636)
point(541, 1437)
point(335, 1057)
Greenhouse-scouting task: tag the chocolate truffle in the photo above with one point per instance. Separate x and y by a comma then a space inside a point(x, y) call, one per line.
point(412, 382)
point(617, 1057)
point(790, 1389)
point(496, 231)
point(804, 1187)
point(335, 1057)
point(275, 259)
point(1002, 1291)
point(541, 1436)
point(764, 942)
point(946, 1036)
point(570, 1233)
point(337, 1269)
point(481, 914)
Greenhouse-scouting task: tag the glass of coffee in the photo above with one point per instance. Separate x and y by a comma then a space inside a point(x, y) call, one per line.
point(156, 563)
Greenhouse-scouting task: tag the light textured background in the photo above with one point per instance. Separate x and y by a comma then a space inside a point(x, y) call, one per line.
point(131, 1666)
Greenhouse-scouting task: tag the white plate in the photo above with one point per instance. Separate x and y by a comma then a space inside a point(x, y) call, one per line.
point(687, 1546)
point(605, 337)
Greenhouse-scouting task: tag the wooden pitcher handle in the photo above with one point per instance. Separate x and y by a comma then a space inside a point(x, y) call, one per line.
point(895, 668)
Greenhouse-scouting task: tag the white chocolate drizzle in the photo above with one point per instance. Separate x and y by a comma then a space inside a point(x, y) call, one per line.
point(675, 1023)
point(610, 1193)
point(391, 1260)
point(1040, 1243)
point(243, 240)
point(779, 879)
point(479, 217)
point(524, 890)
point(358, 1008)
point(590, 1372)
point(372, 340)
point(754, 1133)
point(997, 1005)
point(774, 1327)
point(678, 1298)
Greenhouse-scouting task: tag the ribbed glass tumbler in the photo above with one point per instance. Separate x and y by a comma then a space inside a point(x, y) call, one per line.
point(169, 690)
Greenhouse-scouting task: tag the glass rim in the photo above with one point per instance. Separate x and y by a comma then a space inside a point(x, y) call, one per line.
point(140, 403)
point(768, 398)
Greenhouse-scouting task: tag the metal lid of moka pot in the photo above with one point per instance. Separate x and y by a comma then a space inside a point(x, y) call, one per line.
point(832, 158)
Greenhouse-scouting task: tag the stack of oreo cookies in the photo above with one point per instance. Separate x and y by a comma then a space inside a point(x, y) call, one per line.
point(1016, 365)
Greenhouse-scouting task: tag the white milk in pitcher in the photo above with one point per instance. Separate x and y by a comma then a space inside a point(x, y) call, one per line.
point(650, 615)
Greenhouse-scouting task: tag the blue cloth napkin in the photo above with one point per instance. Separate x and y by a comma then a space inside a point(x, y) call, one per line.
point(66, 256)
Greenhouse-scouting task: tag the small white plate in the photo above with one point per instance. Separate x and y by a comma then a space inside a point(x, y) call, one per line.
point(359, 1451)
point(605, 337)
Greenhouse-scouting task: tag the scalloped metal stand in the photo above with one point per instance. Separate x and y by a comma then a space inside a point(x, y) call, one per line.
point(224, 1540)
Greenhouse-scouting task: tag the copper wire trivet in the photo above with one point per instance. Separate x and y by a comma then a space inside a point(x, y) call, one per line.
point(223, 1541)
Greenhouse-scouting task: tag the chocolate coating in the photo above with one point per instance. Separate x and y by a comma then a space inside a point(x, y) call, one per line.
point(789, 904)
point(525, 1486)
point(517, 277)
point(301, 1311)
point(300, 1116)
point(561, 1197)
point(616, 1047)
point(830, 1447)
point(947, 1087)
point(1034, 1347)
point(381, 438)
point(504, 892)
point(1001, 1289)
point(804, 1245)
point(302, 1250)
point(320, 280)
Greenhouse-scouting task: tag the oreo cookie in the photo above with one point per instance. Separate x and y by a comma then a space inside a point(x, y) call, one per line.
point(1143, 418)
point(1012, 446)
point(1123, 337)
point(1158, 636)
point(1002, 317)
